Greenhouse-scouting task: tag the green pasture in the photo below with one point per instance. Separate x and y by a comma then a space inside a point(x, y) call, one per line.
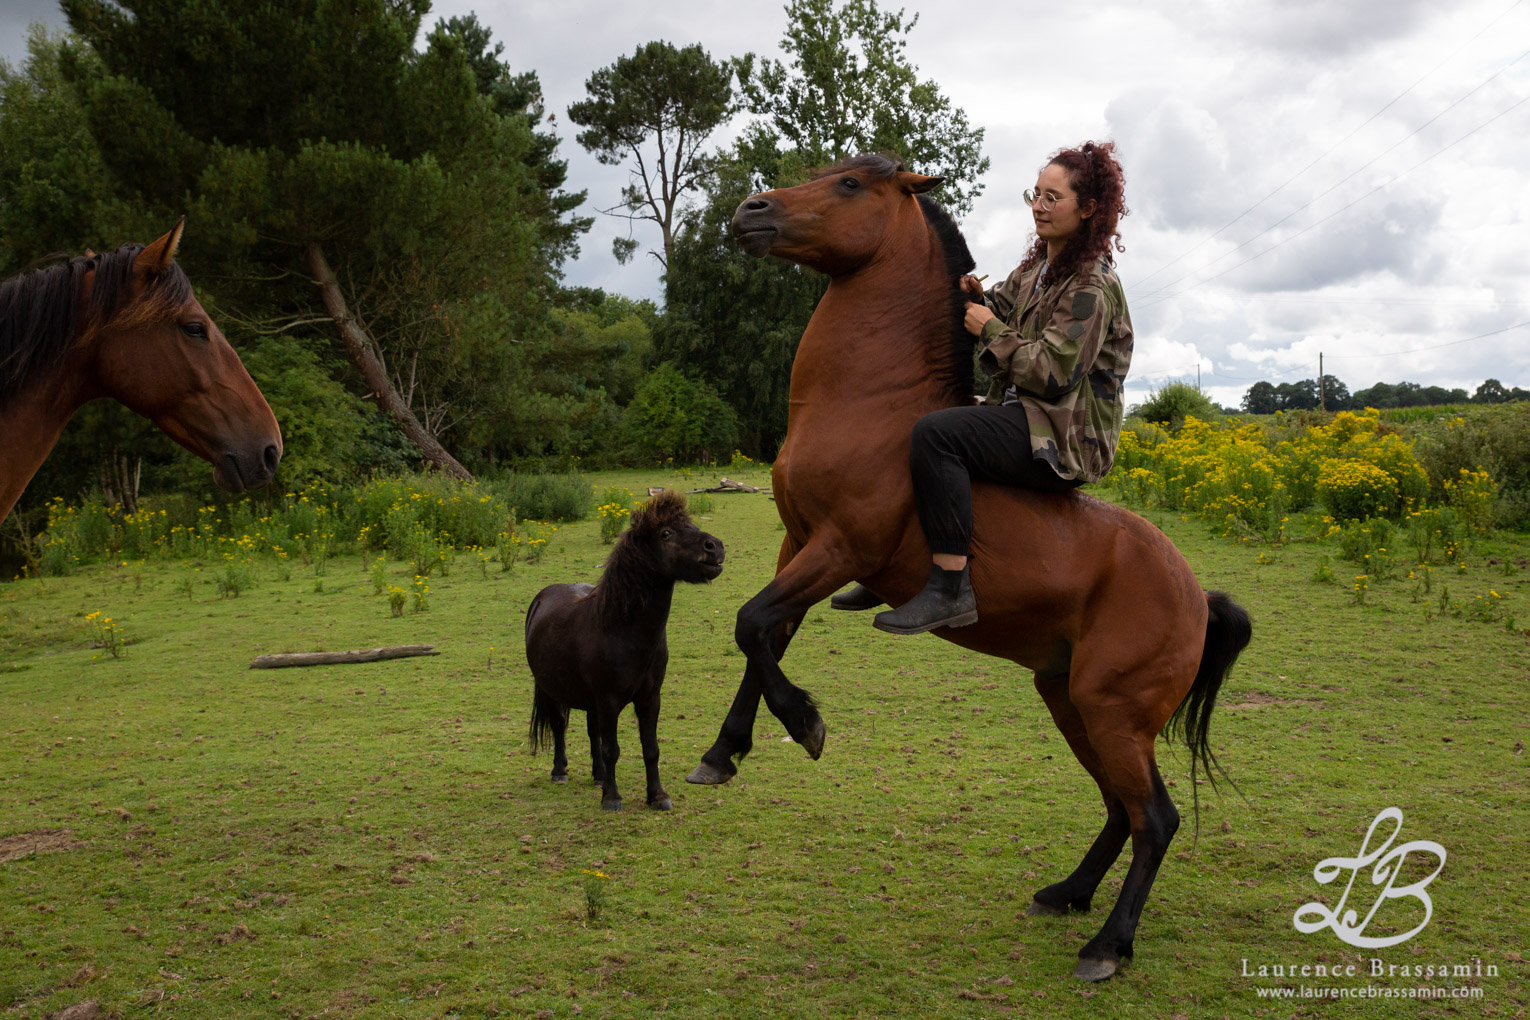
point(375, 840)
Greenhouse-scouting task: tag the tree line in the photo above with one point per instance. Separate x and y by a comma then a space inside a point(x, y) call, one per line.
point(1333, 395)
point(380, 225)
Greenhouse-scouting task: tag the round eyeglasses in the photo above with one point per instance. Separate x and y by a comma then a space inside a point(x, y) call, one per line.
point(1047, 199)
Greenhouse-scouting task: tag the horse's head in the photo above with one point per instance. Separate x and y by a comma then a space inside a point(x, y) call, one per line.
point(663, 533)
point(836, 222)
point(163, 356)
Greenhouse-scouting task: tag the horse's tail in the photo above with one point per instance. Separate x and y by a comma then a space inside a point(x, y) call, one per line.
point(544, 710)
point(1228, 631)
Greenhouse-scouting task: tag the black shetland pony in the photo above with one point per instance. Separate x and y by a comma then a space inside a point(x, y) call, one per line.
point(599, 648)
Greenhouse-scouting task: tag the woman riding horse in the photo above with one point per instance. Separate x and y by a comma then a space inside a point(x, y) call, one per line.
point(1058, 341)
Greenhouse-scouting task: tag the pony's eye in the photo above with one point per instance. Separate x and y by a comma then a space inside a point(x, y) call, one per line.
point(194, 329)
point(849, 183)
point(666, 535)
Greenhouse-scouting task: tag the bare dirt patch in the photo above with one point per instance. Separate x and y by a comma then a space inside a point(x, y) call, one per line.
point(43, 841)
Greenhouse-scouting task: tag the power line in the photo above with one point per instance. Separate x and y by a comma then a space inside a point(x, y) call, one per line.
point(1433, 347)
point(1282, 186)
point(1343, 208)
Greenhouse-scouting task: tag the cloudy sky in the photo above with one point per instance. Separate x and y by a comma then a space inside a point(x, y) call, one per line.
point(1338, 176)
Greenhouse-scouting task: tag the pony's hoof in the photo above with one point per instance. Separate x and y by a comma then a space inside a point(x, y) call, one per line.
point(708, 775)
point(1095, 970)
point(1040, 909)
point(611, 805)
point(813, 742)
point(560, 779)
point(662, 804)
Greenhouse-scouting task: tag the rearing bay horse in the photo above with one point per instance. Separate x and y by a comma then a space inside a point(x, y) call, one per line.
point(125, 325)
point(1092, 598)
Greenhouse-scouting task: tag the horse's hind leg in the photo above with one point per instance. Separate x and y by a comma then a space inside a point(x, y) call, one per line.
point(1131, 770)
point(1077, 890)
point(597, 756)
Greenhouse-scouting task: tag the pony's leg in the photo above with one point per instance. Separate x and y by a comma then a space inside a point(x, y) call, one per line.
point(1077, 890)
point(648, 732)
point(1131, 770)
point(597, 757)
point(605, 717)
point(560, 757)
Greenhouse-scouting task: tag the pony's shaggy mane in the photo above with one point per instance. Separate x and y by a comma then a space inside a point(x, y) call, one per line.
point(629, 578)
point(42, 316)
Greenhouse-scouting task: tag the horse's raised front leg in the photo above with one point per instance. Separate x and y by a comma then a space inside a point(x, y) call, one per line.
point(765, 626)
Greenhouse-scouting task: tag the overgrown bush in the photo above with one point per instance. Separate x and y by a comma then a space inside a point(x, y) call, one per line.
point(1495, 439)
point(1175, 402)
point(672, 416)
point(1353, 490)
point(544, 497)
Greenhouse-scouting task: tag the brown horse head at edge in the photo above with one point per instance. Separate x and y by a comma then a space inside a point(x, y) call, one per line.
point(126, 325)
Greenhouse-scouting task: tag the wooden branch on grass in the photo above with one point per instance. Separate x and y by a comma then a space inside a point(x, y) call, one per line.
point(340, 658)
point(729, 485)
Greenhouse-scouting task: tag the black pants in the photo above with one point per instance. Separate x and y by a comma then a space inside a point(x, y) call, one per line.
point(952, 448)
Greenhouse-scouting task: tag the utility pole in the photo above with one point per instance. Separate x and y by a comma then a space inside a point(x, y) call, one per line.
point(1322, 404)
point(1197, 377)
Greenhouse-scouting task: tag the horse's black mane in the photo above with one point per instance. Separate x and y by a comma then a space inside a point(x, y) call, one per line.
point(41, 314)
point(956, 372)
point(630, 577)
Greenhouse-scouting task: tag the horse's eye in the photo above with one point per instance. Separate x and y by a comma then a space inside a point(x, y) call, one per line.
point(850, 184)
point(193, 329)
point(666, 535)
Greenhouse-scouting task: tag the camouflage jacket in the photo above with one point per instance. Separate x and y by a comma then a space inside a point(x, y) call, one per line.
point(1062, 351)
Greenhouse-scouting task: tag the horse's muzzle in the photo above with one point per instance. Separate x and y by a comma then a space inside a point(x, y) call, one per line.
point(755, 225)
point(237, 471)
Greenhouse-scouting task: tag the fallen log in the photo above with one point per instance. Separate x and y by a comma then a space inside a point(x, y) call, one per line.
point(283, 660)
point(729, 485)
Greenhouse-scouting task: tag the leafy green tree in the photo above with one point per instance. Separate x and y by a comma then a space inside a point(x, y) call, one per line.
point(318, 145)
point(848, 87)
point(1491, 392)
point(1335, 394)
point(672, 415)
point(1260, 398)
point(657, 109)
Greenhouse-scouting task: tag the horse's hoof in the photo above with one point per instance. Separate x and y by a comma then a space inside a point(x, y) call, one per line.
point(611, 805)
point(662, 804)
point(560, 779)
point(1040, 909)
point(813, 742)
point(708, 775)
point(1095, 970)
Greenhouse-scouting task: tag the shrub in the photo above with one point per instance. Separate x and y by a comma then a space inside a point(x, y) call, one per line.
point(544, 497)
point(1353, 490)
point(614, 510)
point(1175, 402)
point(672, 416)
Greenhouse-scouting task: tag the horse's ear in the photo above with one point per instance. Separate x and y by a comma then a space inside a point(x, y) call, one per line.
point(158, 256)
point(917, 184)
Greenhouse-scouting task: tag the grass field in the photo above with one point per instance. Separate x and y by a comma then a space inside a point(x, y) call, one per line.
point(375, 840)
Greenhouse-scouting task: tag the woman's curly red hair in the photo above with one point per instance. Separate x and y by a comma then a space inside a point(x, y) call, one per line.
point(1093, 173)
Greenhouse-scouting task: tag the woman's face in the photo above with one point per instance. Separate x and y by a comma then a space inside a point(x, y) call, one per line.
point(1057, 224)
